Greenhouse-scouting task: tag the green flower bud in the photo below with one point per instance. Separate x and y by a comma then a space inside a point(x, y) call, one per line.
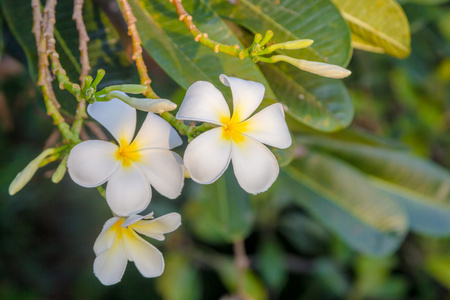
point(60, 171)
point(23, 177)
point(291, 45)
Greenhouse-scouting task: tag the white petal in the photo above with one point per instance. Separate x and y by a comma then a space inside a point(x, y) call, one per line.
point(255, 167)
point(158, 227)
point(106, 237)
point(147, 258)
point(128, 191)
point(92, 163)
point(164, 170)
point(205, 103)
point(110, 265)
point(208, 156)
point(131, 220)
point(157, 133)
point(269, 127)
point(247, 96)
point(119, 118)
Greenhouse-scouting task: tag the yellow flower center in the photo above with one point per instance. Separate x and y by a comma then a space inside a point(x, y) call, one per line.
point(233, 129)
point(127, 153)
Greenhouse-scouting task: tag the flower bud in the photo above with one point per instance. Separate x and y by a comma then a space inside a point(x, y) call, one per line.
point(145, 104)
point(26, 174)
point(151, 105)
point(60, 171)
point(319, 68)
point(291, 45)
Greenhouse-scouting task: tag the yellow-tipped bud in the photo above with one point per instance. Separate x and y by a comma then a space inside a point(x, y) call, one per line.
point(26, 174)
point(60, 170)
point(291, 45)
point(126, 88)
point(319, 68)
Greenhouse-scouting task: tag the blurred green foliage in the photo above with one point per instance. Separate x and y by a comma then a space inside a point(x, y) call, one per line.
point(298, 247)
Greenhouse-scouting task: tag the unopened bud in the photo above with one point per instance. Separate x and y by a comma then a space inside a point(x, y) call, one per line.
point(60, 170)
point(291, 45)
point(319, 68)
point(126, 88)
point(26, 174)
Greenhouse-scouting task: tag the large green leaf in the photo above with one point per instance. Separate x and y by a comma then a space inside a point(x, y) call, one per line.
point(223, 208)
point(342, 198)
point(321, 103)
point(379, 26)
point(318, 102)
point(318, 20)
point(421, 186)
point(175, 50)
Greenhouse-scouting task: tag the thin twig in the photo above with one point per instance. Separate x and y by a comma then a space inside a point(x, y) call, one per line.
point(44, 77)
point(242, 263)
point(203, 37)
point(137, 48)
point(84, 61)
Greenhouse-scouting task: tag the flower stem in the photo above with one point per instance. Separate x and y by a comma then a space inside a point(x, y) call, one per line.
point(137, 48)
point(242, 263)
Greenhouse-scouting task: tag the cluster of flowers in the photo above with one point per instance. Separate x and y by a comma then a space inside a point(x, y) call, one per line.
point(132, 166)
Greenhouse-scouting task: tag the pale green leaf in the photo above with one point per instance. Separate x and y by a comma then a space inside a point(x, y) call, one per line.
point(342, 199)
point(421, 186)
point(378, 25)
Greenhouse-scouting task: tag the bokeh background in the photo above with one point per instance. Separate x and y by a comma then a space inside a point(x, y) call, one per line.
point(47, 231)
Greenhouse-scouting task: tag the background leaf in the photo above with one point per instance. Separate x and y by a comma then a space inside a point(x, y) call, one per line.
point(422, 187)
point(222, 209)
point(175, 50)
point(379, 24)
point(342, 199)
point(318, 102)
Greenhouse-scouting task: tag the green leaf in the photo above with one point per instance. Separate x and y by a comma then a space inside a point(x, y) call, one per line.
point(438, 266)
point(179, 271)
point(224, 207)
point(321, 103)
point(175, 50)
point(381, 25)
point(254, 288)
point(421, 186)
point(290, 20)
point(342, 199)
point(318, 102)
point(272, 264)
point(304, 233)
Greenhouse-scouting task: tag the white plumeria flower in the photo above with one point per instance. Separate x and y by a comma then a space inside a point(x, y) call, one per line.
point(238, 138)
point(119, 243)
point(130, 167)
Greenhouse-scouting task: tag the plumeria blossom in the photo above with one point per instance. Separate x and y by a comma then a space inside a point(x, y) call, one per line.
point(238, 138)
point(132, 165)
point(119, 243)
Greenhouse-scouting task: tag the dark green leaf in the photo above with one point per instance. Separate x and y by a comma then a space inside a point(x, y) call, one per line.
point(174, 49)
point(225, 207)
point(272, 264)
point(318, 102)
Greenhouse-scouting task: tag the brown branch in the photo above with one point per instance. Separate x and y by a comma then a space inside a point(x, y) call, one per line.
point(137, 48)
point(84, 61)
point(43, 41)
point(242, 263)
point(203, 37)
point(83, 38)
